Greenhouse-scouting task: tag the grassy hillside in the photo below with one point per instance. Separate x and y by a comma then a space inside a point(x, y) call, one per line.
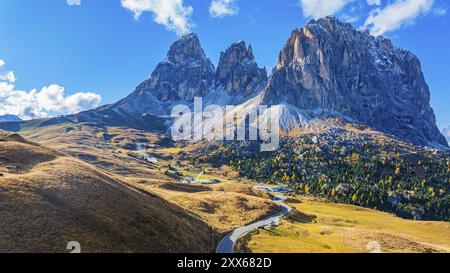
point(48, 199)
point(225, 207)
point(321, 227)
point(229, 204)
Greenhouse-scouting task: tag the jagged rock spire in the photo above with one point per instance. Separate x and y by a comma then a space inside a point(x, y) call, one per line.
point(183, 75)
point(187, 48)
point(237, 72)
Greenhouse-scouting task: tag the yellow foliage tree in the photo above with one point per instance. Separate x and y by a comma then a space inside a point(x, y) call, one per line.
point(307, 189)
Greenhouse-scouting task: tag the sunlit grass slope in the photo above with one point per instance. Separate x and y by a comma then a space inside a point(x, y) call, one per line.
point(321, 227)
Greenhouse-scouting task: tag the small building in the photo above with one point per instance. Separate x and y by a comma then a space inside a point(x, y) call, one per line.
point(279, 189)
point(394, 198)
point(12, 169)
point(343, 188)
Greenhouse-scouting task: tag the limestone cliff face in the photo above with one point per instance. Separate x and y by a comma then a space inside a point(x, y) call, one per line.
point(330, 65)
point(238, 73)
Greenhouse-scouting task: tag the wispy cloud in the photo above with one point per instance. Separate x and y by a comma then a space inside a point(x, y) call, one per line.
point(173, 14)
point(223, 8)
point(6, 75)
point(47, 102)
point(395, 15)
point(321, 8)
point(373, 2)
point(440, 11)
point(73, 2)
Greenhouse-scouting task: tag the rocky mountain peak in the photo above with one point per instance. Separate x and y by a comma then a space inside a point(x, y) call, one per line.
point(329, 24)
point(183, 75)
point(186, 49)
point(298, 46)
point(237, 72)
point(329, 65)
point(236, 54)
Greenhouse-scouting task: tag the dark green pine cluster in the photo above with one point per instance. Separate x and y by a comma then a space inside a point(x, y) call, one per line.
point(413, 183)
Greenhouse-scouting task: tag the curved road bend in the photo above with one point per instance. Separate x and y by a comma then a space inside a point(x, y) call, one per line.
point(227, 244)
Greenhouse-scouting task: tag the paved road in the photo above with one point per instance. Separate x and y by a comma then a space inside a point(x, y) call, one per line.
point(227, 244)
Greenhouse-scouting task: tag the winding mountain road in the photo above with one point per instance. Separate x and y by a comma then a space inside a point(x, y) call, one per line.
point(227, 244)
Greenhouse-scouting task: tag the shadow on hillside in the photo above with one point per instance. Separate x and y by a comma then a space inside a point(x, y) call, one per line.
point(299, 217)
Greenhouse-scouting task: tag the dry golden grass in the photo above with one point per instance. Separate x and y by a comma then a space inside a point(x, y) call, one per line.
point(322, 227)
point(56, 199)
point(224, 206)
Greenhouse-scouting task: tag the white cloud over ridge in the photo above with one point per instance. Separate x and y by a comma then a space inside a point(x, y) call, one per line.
point(384, 16)
point(173, 14)
point(396, 15)
point(223, 8)
point(50, 101)
point(321, 8)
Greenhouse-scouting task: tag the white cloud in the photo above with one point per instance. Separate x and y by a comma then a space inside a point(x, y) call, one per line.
point(396, 15)
point(440, 11)
point(170, 13)
point(321, 8)
point(222, 8)
point(373, 2)
point(74, 2)
point(6, 75)
point(48, 102)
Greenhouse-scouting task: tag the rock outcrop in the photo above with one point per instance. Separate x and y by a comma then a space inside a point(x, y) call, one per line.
point(329, 65)
point(238, 73)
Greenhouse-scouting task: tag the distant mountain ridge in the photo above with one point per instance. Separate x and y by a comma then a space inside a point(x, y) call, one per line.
point(9, 118)
point(325, 69)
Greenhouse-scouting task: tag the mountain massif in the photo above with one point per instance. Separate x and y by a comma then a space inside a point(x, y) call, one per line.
point(330, 66)
point(326, 69)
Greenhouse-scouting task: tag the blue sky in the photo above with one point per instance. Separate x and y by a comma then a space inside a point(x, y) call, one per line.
point(66, 54)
